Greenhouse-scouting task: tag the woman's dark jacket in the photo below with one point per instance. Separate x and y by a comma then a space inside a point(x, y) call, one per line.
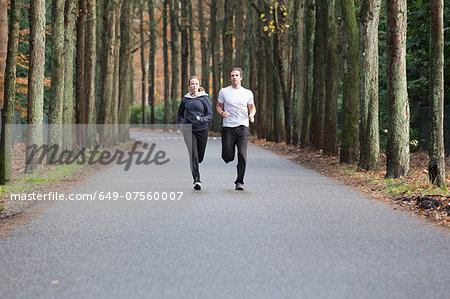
point(191, 107)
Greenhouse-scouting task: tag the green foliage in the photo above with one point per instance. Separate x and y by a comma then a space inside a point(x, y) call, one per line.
point(136, 113)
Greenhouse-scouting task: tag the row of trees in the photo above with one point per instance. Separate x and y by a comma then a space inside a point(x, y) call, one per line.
point(305, 60)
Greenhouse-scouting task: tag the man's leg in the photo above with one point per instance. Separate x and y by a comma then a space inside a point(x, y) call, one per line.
point(228, 142)
point(242, 140)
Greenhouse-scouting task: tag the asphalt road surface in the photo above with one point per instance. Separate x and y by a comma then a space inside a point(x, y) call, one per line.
point(291, 234)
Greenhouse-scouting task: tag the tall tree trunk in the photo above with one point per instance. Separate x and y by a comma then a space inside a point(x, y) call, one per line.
point(215, 52)
point(239, 9)
point(436, 150)
point(350, 103)
point(204, 47)
point(369, 135)
point(57, 75)
point(79, 61)
point(227, 41)
point(10, 93)
point(184, 46)
point(35, 80)
point(262, 92)
point(192, 70)
point(107, 105)
point(3, 45)
point(124, 70)
point(70, 17)
point(166, 64)
point(151, 62)
point(310, 16)
point(299, 70)
point(89, 72)
point(144, 81)
point(397, 153)
point(174, 45)
point(331, 70)
point(117, 38)
point(318, 99)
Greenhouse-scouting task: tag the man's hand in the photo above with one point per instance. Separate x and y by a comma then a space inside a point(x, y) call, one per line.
point(179, 132)
point(198, 117)
point(252, 118)
point(225, 114)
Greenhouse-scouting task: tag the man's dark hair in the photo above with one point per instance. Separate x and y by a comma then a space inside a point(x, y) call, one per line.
point(237, 69)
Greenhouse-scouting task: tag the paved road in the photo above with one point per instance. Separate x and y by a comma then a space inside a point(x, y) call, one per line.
point(291, 234)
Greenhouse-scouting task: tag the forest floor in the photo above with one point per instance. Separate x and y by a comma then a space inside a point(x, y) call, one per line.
point(412, 193)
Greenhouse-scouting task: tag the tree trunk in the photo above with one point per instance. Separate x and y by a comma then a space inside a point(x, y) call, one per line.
point(3, 45)
point(318, 99)
point(166, 64)
point(10, 93)
point(79, 61)
point(310, 16)
point(192, 70)
point(117, 38)
point(298, 70)
point(174, 42)
point(205, 49)
point(107, 105)
point(436, 166)
point(70, 17)
point(350, 103)
point(57, 75)
point(369, 135)
point(227, 41)
point(144, 81)
point(184, 47)
point(89, 74)
point(331, 79)
point(261, 93)
point(35, 80)
point(124, 70)
point(397, 153)
point(239, 9)
point(215, 52)
point(151, 62)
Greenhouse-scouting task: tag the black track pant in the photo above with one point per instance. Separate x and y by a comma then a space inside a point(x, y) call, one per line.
point(196, 145)
point(231, 138)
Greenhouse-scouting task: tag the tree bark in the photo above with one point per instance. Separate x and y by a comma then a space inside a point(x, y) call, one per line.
point(79, 61)
point(124, 70)
point(350, 103)
point(192, 68)
point(215, 52)
point(151, 62)
point(57, 75)
point(369, 134)
point(184, 47)
point(436, 166)
point(204, 47)
point(144, 81)
point(70, 16)
point(166, 64)
point(397, 153)
point(330, 146)
point(10, 93)
point(3, 45)
point(35, 80)
point(174, 45)
point(298, 71)
point(239, 9)
point(318, 99)
point(310, 16)
point(227, 40)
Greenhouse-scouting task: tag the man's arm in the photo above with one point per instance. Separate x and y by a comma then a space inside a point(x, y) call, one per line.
point(252, 109)
point(219, 108)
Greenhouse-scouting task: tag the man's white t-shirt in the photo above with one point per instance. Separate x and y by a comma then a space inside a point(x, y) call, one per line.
point(235, 101)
